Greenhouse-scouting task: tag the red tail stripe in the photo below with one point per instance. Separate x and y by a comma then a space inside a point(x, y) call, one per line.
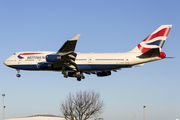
point(139, 46)
point(158, 34)
point(143, 49)
point(168, 32)
point(146, 38)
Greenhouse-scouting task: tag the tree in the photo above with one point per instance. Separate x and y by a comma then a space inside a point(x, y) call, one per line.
point(83, 106)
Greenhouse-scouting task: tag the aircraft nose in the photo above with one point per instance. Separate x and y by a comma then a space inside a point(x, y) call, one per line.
point(5, 62)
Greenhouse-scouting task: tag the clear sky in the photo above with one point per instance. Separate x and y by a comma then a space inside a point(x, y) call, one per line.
point(105, 26)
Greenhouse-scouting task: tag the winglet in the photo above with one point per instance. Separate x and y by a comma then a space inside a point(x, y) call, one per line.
point(75, 37)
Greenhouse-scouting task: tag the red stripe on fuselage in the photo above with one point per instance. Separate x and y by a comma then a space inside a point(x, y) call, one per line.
point(28, 54)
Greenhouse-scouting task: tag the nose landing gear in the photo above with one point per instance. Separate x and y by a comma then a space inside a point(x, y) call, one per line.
point(18, 75)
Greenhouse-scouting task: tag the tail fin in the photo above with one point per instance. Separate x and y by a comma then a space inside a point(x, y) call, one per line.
point(154, 40)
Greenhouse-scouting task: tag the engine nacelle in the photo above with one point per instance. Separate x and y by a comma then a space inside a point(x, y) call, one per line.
point(103, 73)
point(53, 58)
point(44, 66)
point(71, 74)
point(162, 55)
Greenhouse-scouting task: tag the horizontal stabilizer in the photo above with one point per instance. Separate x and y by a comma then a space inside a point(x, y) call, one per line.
point(153, 52)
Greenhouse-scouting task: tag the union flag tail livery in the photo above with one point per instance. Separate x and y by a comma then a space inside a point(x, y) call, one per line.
point(154, 40)
point(73, 64)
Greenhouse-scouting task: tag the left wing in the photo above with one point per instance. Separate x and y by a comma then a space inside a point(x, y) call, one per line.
point(69, 45)
point(68, 55)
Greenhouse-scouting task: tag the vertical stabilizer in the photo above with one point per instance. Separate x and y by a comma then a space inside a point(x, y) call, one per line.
point(154, 40)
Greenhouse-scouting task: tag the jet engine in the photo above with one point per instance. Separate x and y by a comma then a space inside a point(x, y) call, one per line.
point(103, 73)
point(53, 58)
point(44, 66)
point(71, 74)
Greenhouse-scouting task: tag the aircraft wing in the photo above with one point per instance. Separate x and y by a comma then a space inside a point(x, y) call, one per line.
point(68, 55)
point(69, 45)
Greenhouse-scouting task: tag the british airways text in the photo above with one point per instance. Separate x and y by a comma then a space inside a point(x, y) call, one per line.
point(36, 57)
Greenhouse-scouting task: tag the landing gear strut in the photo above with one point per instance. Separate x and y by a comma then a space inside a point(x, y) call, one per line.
point(78, 75)
point(18, 75)
point(64, 73)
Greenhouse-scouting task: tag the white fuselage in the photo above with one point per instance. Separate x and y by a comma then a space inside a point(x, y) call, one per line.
point(85, 61)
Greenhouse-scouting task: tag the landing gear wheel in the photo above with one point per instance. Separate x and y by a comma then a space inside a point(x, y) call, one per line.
point(66, 76)
point(83, 77)
point(78, 79)
point(63, 72)
point(18, 75)
point(79, 76)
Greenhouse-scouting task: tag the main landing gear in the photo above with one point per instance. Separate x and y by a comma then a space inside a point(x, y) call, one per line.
point(78, 75)
point(18, 75)
point(64, 73)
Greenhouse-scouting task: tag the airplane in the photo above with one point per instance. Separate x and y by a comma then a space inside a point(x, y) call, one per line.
point(73, 64)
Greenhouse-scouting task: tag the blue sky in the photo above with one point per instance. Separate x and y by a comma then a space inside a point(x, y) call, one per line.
point(105, 26)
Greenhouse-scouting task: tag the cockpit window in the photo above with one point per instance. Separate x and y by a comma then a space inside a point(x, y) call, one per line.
point(14, 54)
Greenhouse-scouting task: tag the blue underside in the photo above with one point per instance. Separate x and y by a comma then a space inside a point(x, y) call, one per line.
point(85, 67)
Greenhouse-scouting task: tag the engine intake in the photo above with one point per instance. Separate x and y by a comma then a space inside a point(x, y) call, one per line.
point(103, 73)
point(53, 58)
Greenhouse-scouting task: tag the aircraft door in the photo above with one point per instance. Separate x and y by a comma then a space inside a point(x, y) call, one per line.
point(90, 59)
point(126, 60)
